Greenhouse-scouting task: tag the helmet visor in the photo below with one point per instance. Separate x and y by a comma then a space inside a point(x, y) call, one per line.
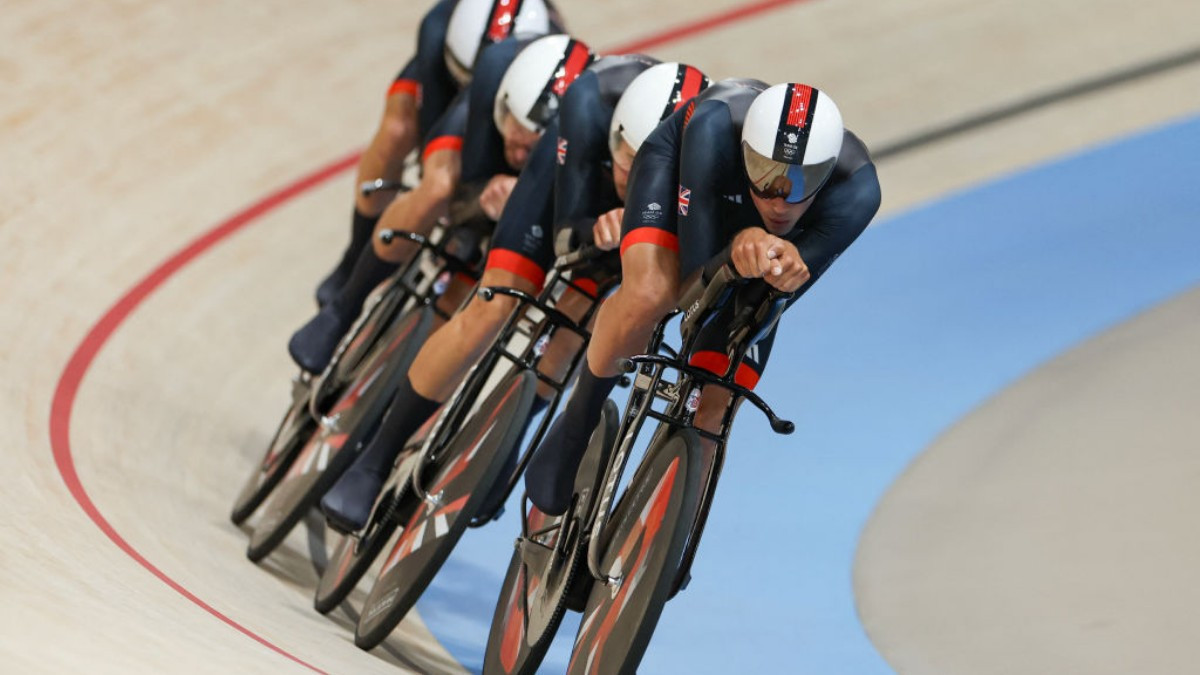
point(795, 183)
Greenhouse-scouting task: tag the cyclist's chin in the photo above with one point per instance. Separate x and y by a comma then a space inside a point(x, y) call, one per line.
point(779, 228)
point(516, 157)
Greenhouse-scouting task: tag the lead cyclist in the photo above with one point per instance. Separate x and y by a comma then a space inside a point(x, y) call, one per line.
point(764, 178)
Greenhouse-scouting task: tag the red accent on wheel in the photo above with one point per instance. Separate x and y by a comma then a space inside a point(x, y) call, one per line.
point(649, 524)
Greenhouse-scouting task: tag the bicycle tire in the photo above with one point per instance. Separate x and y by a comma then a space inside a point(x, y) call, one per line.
point(462, 483)
point(355, 554)
point(527, 615)
point(644, 549)
point(294, 429)
point(321, 461)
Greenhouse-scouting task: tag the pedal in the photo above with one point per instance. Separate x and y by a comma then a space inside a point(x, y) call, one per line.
point(534, 555)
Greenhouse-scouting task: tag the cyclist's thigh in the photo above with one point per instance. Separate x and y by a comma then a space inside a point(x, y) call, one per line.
point(711, 349)
point(522, 248)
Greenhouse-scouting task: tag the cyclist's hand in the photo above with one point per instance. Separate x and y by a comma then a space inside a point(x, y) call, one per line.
point(495, 195)
point(758, 254)
point(606, 233)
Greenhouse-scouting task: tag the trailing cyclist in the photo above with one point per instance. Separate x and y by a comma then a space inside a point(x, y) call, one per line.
point(495, 150)
point(450, 37)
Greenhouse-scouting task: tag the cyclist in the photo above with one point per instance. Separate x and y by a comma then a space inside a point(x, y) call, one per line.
point(765, 178)
point(448, 41)
point(576, 178)
point(495, 148)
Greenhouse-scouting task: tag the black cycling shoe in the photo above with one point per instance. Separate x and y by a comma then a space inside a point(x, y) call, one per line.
point(329, 288)
point(347, 505)
point(312, 346)
point(550, 476)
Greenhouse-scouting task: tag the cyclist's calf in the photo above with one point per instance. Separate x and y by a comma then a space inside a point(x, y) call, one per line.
point(565, 344)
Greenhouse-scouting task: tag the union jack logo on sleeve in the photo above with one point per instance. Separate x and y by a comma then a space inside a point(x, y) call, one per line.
point(685, 198)
point(562, 150)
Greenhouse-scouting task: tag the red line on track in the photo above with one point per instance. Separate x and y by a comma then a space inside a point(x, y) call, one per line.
point(702, 25)
point(63, 403)
point(85, 353)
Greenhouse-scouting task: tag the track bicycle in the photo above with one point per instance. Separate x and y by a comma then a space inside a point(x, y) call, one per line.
point(347, 402)
point(619, 566)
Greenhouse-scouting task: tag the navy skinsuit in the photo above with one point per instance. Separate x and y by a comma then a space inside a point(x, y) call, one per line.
point(568, 179)
point(689, 192)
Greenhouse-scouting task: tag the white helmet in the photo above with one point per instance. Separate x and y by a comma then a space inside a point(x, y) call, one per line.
point(652, 96)
point(475, 23)
point(790, 141)
point(537, 77)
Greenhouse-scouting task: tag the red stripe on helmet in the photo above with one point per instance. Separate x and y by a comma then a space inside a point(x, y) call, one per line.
point(693, 82)
point(578, 57)
point(798, 103)
point(504, 15)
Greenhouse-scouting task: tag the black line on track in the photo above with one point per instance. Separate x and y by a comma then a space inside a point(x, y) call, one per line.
point(314, 522)
point(1038, 101)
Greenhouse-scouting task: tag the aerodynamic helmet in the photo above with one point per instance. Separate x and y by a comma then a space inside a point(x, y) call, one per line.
point(475, 23)
point(790, 141)
point(537, 78)
point(652, 96)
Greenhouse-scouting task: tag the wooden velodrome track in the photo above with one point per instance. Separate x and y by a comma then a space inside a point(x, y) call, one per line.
point(141, 393)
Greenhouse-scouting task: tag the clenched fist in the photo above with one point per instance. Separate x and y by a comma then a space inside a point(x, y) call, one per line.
point(606, 233)
point(758, 254)
point(495, 195)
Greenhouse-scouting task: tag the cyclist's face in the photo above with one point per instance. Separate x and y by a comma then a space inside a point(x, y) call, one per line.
point(518, 141)
point(778, 216)
point(622, 162)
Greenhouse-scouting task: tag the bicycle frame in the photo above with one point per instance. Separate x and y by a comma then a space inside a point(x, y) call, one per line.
point(423, 280)
point(538, 333)
point(682, 399)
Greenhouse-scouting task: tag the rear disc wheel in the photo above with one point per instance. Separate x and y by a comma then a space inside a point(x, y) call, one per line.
point(355, 553)
point(534, 597)
point(294, 429)
point(351, 420)
point(466, 469)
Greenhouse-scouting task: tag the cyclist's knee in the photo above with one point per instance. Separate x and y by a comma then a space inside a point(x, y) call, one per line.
point(481, 321)
point(440, 177)
point(398, 129)
point(650, 294)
